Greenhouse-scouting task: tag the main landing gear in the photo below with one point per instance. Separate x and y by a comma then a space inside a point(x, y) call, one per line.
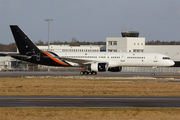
point(88, 73)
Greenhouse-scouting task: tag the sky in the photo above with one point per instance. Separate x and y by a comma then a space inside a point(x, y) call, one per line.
point(90, 20)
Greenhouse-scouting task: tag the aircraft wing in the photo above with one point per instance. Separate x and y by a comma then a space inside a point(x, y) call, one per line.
point(79, 61)
point(15, 55)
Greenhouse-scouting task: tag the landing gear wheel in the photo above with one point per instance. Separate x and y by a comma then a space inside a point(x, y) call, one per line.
point(153, 74)
point(91, 73)
point(94, 73)
point(86, 72)
point(82, 73)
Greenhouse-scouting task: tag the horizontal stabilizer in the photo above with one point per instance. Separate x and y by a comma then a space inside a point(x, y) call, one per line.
point(15, 55)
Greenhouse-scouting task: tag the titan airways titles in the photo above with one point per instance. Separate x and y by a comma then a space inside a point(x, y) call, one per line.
point(92, 62)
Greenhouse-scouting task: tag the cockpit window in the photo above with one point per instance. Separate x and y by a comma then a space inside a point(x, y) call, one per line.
point(166, 58)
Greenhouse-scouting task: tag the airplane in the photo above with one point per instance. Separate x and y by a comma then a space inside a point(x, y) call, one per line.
point(92, 62)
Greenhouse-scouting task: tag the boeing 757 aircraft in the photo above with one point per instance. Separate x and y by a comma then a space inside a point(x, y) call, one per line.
point(92, 62)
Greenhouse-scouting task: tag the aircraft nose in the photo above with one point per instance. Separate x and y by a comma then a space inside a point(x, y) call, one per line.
point(171, 63)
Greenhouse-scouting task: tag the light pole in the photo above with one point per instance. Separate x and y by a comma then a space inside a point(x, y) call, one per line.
point(48, 32)
point(48, 37)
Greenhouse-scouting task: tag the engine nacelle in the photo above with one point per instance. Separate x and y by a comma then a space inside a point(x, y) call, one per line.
point(99, 67)
point(115, 69)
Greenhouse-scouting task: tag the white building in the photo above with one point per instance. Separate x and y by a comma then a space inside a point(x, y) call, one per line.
point(68, 48)
point(5, 63)
point(125, 44)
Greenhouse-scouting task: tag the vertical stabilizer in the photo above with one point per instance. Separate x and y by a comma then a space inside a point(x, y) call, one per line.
point(24, 44)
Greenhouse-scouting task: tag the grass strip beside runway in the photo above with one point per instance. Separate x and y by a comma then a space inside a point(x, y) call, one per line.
point(90, 113)
point(86, 87)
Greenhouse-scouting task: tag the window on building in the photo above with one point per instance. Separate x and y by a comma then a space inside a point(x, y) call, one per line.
point(137, 50)
point(114, 42)
point(109, 42)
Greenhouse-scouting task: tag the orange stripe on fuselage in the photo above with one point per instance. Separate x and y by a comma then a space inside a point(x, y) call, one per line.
point(54, 59)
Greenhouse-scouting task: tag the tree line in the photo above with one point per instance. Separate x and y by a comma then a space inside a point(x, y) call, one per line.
point(12, 46)
point(158, 42)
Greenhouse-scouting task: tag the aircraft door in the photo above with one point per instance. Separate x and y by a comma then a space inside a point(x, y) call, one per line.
point(122, 58)
point(155, 59)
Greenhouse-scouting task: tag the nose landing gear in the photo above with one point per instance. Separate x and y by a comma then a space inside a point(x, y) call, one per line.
point(153, 74)
point(154, 69)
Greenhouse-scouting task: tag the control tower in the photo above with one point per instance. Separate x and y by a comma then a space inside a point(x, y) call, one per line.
point(130, 34)
point(129, 42)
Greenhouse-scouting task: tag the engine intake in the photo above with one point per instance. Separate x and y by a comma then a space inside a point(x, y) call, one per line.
point(99, 67)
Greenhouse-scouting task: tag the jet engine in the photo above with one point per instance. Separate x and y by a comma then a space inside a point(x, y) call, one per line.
point(99, 67)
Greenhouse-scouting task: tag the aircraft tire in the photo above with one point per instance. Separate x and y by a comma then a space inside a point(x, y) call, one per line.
point(82, 72)
point(86, 72)
point(153, 74)
point(94, 73)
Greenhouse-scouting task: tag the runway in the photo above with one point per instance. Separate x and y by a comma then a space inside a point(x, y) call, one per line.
point(76, 73)
point(72, 101)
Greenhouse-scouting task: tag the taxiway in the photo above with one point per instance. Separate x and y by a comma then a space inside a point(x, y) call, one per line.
point(98, 101)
